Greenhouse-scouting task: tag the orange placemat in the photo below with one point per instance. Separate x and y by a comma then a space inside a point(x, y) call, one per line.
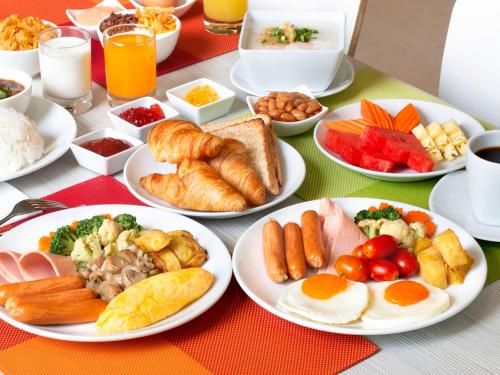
point(235, 336)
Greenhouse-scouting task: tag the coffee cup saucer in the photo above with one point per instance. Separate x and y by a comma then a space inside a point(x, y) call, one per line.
point(450, 198)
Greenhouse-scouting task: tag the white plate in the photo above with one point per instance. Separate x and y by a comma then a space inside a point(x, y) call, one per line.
point(218, 263)
point(342, 80)
point(55, 125)
point(428, 112)
point(450, 198)
point(141, 163)
point(249, 270)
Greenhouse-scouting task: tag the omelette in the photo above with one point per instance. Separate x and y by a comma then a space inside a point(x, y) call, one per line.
point(154, 299)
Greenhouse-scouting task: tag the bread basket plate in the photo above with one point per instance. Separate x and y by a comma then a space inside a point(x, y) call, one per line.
point(141, 163)
point(249, 270)
point(218, 263)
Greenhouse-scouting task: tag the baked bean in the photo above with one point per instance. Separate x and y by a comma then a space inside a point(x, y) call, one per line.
point(287, 117)
point(280, 104)
point(262, 109)
point(287, 106)
point(271, 104)
point(299, 115)
point(302, 107)
point(275, 113)
point(312, 107)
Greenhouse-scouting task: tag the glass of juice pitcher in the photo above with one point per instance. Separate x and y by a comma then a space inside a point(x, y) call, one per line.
point(130, 62)
point(224, 16)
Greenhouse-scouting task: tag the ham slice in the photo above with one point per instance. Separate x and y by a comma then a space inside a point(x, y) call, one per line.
point(340, 234)
point(9, 269)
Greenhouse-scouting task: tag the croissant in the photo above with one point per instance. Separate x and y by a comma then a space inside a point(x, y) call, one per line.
point(195, 186)
point(233, 165)
point(175, 140)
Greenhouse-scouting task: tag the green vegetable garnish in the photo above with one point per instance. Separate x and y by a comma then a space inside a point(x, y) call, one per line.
point(127, 222)
point(4, 92)
point(89, 226)
point(63, 241)
point(388, 213)
point(305, 34)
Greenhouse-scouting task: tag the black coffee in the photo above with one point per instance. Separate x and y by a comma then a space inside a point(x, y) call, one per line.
point(491, 154)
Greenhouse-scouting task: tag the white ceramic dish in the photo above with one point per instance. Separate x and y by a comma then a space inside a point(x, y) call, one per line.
point(218, 263)
point(138, 132)
point(27, 60)
point(56, 126)
point(450, 198)
point(287, 129)
point(182, 6)
point(204, 113)
point(100, 164)
point(165, 42)
point(283, 69)
point(241, 80)
point(141, 163)
point(428, 112)
point(249, 270)
point(92, 30)
point(21, 100)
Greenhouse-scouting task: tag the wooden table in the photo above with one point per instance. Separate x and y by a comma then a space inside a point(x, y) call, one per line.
point(467, 343)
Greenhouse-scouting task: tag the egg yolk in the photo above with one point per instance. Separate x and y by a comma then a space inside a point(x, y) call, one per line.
point(323, 286)
point(405, 293)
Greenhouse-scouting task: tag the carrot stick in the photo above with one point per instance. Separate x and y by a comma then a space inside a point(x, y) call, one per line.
point(414, 216)
point(431, 228)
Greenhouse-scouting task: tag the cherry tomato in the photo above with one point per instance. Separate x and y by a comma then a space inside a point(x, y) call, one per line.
point(383, 270)
point(358, 252)
point(406, 262)
point(351, 268)
point(380, 247)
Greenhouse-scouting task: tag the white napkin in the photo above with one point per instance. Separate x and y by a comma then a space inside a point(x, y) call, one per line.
point(9, 196)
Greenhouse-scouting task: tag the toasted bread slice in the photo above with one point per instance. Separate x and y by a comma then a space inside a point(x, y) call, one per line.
point(254, 135)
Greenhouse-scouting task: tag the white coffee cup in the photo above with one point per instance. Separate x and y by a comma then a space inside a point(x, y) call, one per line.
point(483, 179)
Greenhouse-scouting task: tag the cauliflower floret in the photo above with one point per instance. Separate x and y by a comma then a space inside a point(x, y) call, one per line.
point(81, 253)
point(108, 232)
point(419, 228)
point(370, 227)
point(110, 249)
point(401, 232)
point(92, 242)
point(126, 238)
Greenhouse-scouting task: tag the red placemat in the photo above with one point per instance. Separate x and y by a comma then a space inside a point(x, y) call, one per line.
point(235, 336)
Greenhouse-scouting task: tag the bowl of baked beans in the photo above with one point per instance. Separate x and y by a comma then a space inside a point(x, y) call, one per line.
point(292, 112)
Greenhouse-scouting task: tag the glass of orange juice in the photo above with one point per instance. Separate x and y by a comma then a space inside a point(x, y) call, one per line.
point(130, 62)
point(224, 16)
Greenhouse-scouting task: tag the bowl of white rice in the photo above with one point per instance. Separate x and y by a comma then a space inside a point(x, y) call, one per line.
point(20, 143)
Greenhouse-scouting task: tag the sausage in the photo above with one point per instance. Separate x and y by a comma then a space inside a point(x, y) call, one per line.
point(294, 251)
point(274, 251)
point(67, 296)
point(314, 249)
point(58, 313)
point(49, 285)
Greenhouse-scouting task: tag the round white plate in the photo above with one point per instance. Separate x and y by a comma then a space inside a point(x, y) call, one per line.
point(218, 263)
point(240, 79)
point(141, 163)
point(249, 270)
point(450, 198)
point(428, 112)
point(55, 125)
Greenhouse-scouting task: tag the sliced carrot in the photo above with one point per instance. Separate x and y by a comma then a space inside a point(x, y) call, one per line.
point(107, 216)
point(348, 126)
point(383, 205)
point(372, 209)
point(414, 216)
point(73, 225)
point(376, 114)
point(399, 210)
point(431, 228)
point(407, 119)
point(44, 243)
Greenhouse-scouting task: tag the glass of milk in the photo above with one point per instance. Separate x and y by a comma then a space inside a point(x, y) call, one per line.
point(65, 67)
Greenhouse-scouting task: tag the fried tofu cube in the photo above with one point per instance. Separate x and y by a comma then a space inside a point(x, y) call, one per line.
point(457, 275)
point(432, 267)
point(421, 244)
point(450, 248)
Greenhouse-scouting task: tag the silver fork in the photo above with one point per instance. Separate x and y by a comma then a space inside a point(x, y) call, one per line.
point(31, 205)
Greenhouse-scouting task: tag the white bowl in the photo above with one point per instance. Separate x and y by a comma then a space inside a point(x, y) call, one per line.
point(204, 113)
point(278, 69)
point(27, 60)
point(92, 30)
point(165, 42)
point(21, 100)
point(180, 10)
point(100, 164)
point(138, 132)
point(287, 129)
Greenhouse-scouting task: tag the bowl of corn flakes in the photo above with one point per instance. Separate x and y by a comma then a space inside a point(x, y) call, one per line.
point(19, 42)
point(166, 26)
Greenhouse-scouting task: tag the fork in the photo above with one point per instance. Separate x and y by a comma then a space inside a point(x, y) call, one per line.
point(31, 205)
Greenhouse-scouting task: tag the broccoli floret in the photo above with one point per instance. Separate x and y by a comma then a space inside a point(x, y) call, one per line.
point(127, 222)
point(90, 226)
point(63, 241)
point(388, 213)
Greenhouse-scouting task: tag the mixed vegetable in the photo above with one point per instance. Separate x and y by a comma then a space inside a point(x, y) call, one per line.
point(287, 33)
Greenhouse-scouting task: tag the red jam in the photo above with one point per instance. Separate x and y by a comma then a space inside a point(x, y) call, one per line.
point(106, 146)
point(140, 116)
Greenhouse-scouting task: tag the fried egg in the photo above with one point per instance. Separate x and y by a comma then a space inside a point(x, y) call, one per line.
point(325, 298)
point(402, 302)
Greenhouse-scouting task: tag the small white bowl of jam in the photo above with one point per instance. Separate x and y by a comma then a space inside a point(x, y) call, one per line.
point(104, 151)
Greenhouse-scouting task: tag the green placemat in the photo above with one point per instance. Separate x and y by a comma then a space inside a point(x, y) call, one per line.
point(325, 178)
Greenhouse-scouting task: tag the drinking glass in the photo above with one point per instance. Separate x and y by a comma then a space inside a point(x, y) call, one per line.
point(65, 67)
point(224, 16)
point(130, 62)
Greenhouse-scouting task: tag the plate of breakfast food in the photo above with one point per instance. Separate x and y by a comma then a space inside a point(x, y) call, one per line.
point(397, 139)
point(359, 266)
point(219, 170)
point(109, 272)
